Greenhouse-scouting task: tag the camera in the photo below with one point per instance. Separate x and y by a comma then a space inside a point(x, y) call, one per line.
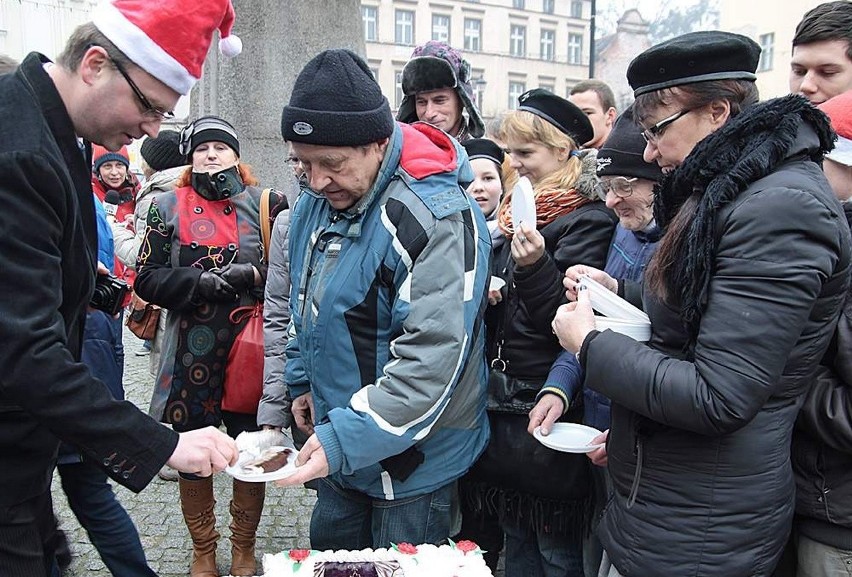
point(109, 294)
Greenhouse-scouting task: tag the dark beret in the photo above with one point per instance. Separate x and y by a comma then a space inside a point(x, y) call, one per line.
point(483, 148)
point(694, 57)
point(561, 113)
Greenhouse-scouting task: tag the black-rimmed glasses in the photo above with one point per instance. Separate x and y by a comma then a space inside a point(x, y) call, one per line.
point(150, 109)
point(653, 133)
point(620, 186)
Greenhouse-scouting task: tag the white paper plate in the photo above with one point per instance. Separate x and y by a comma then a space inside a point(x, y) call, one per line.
point(610, 304)
point(639, 331)
point(496, 283)
point(569, 438)
point(523, 205)
point(238, 472)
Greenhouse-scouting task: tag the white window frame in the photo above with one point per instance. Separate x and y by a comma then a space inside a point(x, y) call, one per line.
point(548, 44)
point(575, 48)
point(370, 18)
point(441, 27)
point(472, 34)
point(404, 27)
point(518, 40)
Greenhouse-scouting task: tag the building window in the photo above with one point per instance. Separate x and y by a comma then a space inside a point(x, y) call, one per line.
point(576, 8)
point(547, 6)
point(515, 90)
point(375, 72)
point(441, 27)
point(519, 4)
point(547, 44)
point(397, 82)
point(370, 17)
point(478, 84)
point(472, 34)
point(575, 48)
point(404, 30)
point(767, 53)
point(518, 40)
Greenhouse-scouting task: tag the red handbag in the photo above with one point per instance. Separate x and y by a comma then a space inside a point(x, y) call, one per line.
point(243, 384)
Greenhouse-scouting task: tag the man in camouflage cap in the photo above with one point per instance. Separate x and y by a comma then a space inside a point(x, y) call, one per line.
point(437, 89)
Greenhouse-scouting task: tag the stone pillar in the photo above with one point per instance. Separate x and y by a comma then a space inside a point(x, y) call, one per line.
point(250, 90)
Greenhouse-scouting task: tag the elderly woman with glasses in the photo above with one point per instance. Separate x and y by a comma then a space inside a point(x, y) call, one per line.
point(743, 294)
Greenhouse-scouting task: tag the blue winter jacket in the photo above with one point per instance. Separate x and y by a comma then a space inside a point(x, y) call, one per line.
point(387, 331)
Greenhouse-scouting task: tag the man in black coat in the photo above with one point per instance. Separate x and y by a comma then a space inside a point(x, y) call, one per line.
point(96, 92)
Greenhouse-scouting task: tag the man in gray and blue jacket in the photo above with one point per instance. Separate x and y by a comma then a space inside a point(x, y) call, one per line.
point(389, 270)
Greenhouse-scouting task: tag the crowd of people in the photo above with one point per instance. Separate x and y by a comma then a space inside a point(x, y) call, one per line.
point(417, 336)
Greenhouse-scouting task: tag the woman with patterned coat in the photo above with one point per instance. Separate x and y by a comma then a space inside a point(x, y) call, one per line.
point(202, 258)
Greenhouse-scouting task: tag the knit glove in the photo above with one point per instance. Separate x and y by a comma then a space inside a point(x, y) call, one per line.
point(213, 288)
point(238, 275)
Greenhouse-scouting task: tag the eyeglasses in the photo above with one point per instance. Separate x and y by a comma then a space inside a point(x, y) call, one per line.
point(150, 109)
point(620, 186)
point(652, 134)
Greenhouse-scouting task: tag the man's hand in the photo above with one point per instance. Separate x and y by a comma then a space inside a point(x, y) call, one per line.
point(311, 464)
point(545, 412)
point(303, 413)
point(203, 452)
point(598, 456)
point(574, 273)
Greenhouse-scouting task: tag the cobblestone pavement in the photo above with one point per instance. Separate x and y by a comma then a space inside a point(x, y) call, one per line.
point(156, 510)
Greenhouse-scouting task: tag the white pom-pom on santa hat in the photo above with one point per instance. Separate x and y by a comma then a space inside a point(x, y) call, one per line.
point(144, 30)
point(230, 46)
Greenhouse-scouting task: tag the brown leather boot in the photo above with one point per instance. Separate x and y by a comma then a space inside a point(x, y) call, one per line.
point(246, 508)
point(196, 502)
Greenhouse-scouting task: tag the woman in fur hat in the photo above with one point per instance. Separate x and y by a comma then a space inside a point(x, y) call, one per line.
point(542, 498)
point(743, 294)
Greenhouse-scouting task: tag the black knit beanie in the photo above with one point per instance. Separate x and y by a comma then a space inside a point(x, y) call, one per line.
point(336, 102)
point(208, 129)
point(621, 154)
point(162, 152)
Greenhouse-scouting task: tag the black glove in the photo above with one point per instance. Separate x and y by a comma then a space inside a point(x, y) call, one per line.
point(213, 288)
point(238, 275)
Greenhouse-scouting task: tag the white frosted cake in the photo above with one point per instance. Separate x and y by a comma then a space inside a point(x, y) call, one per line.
point(463, 559)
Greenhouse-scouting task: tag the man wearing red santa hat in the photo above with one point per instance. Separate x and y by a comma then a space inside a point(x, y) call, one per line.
point(117, 79)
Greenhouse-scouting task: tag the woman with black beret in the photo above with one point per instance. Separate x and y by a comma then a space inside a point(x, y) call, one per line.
point(543, 498)
point(743, 294)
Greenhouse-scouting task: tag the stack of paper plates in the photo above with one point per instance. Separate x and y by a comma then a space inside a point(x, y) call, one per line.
point(620, 316)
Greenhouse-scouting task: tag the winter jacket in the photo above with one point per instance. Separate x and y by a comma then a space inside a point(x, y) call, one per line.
point(48, 253)
point(275, 403)
point(535, 292)
point(699, 448)
point(822, 443)
point(187, 234)
point(387, 335)
point(128, 238)
point(628, 256)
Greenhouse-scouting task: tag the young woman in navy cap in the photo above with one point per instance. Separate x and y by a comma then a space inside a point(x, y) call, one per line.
point(743, 294)
point(543, 498)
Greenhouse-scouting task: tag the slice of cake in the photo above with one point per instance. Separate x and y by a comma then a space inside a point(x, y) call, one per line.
point(463, 559)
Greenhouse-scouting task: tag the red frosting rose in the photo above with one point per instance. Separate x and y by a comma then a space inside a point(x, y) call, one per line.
point(466, 546)
point(299, 555)
point(407, 548)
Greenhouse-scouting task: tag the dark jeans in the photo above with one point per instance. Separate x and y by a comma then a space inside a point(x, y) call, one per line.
point(28, 538)
point(109, 526)
point(345, 519)
point(531, 553)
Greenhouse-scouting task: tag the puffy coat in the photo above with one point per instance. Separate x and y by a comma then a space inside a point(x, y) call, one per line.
point(699, 449)
point(386, 310)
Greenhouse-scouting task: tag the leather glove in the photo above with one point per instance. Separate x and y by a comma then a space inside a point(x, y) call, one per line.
point(213, 288)
point(238, 275)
